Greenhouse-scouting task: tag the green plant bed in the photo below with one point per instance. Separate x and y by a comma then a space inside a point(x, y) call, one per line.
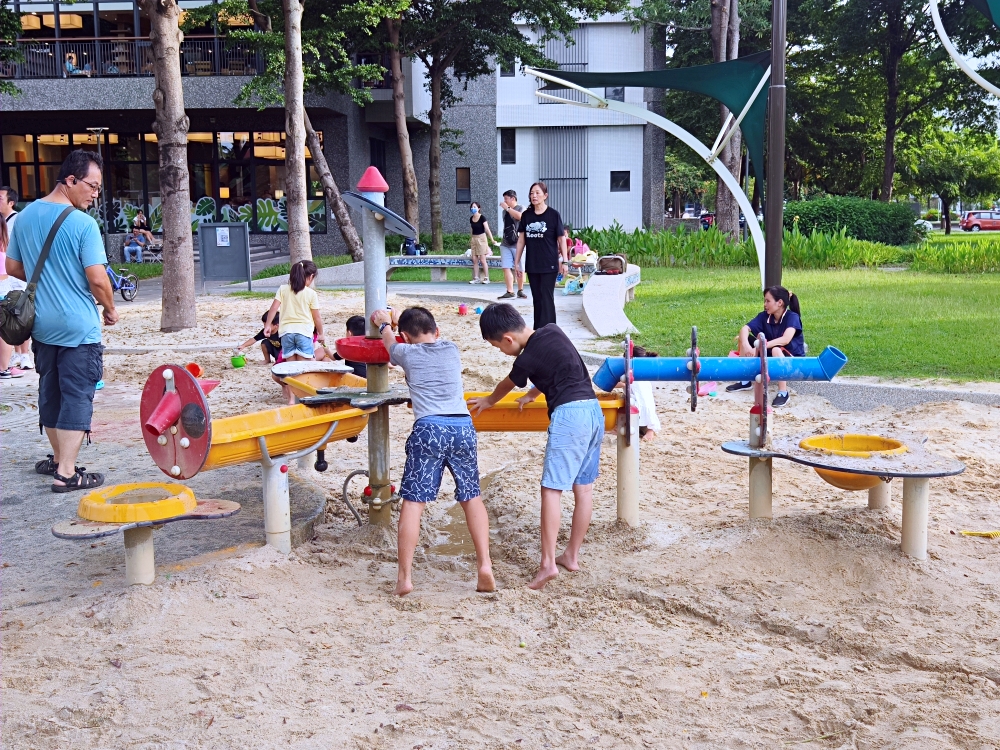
point(901, 325)
point(141, 270)
point(947, 254)
point(454, 274)
point(321, 261)
point(455, 243)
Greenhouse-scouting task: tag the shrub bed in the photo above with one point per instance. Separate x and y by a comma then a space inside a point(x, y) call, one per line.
point(872, 221)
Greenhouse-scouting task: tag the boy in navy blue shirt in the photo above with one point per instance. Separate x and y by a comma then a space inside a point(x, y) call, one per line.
point(781, 325)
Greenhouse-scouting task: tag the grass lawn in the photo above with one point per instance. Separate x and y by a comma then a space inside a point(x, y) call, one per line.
point(902, 324)
point(141, 270)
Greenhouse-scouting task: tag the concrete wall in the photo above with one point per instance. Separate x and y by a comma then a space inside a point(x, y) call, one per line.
point(608, 149)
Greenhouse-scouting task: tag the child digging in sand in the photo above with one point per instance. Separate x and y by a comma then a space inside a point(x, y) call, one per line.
point(442, 435)
point(299, 317)
point(549, 360)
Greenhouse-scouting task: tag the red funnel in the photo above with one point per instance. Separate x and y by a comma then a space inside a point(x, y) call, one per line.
point(166, 413)
point(207, 386)
point(361, 349)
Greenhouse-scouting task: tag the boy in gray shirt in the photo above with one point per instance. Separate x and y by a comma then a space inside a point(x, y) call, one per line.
point(443, 435)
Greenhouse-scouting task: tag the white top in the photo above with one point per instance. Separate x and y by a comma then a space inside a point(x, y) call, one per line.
point(642, 393)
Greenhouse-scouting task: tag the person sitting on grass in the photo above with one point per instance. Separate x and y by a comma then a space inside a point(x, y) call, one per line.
point(270, 346)
point(443, 435)
point(549, 360)
point(781, 325)
point(299, 317)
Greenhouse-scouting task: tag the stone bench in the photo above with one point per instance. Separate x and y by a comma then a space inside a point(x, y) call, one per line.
point(439, 264)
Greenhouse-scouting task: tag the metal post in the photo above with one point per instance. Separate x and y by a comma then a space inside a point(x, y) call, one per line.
point(774, 198)
point(277, 505)
point(628, 469)
point(373, 230)
point(914, 536)
point(879, 496)
point(140, 564)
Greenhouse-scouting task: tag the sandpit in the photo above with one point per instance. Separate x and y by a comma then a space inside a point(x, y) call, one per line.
point(699, 629)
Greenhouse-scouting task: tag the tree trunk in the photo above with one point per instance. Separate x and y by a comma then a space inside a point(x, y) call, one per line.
point(296, 194)
point(946, 215)
point(434, 161)
point(332, 193)
point(755, 199)
point(171, 127)
point(678, 209)
point(896, 30)
point(411, 194)
point(725, 46)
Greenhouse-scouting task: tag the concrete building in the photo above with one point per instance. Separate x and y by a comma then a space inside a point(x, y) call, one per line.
point(86, 80)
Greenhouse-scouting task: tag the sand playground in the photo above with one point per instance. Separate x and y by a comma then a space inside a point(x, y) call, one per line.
point(698, 629)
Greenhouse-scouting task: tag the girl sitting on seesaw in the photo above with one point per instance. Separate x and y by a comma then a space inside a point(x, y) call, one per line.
point(781, 325)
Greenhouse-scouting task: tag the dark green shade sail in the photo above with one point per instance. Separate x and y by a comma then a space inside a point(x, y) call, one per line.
point(732, 83)
point(989, 8)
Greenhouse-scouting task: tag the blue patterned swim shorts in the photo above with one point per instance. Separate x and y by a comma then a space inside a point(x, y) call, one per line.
point(437, 442)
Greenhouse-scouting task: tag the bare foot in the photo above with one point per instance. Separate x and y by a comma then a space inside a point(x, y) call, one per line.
point(570, 563)
point(649, 437)
point(485, 582)
point(542, 577)
point(403, 588)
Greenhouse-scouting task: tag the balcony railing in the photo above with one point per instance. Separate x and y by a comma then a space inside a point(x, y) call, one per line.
point(116, 58)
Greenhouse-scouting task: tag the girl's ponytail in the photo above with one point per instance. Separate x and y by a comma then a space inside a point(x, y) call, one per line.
point(793, 304)
point(790, 301)
point(299, 273)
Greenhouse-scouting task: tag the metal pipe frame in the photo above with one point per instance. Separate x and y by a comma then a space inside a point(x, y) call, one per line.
point(599, 102)
point(950, 49)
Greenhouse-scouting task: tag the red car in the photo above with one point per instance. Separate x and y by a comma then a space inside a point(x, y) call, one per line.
point(974, 221)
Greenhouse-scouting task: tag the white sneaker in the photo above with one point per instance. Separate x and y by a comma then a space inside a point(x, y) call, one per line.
point(27, 363)
point(485, 281)
point(474, 281)
point(15, 360)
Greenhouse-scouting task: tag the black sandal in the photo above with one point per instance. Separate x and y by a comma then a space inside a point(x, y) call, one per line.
point(46, 466)
point(81, 480)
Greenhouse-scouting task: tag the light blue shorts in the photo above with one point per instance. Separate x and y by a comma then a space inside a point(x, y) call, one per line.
point(296, 343)
point(573, 450)
point(508, 255)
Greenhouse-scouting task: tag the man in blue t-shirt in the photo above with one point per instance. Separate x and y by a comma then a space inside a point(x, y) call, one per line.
point(67, 329)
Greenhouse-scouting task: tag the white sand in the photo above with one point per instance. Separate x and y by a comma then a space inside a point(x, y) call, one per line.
point(699, 629)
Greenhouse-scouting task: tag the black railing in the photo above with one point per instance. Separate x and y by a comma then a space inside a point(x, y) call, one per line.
point(114, 58)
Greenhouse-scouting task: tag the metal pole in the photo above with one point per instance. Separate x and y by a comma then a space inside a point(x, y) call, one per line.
point(628, 469)
point(879, 496)
point(774, 207)
point(373, 235)
point(914, 535)
point(140, 565)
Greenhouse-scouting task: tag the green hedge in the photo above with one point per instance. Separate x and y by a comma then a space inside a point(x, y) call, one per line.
point(872, 221)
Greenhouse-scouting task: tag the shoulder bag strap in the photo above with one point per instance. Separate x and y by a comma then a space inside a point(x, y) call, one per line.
point(47, 247)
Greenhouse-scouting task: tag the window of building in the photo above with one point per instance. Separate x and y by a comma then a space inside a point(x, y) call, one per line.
point(614, 93)
point(234, 176)
point(508, 146)
point(376, 151)
point(507, 66)
point(621, 182)
point(463, 185)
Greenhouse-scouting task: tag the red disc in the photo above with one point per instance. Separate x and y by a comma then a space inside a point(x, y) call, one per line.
point(187, 440)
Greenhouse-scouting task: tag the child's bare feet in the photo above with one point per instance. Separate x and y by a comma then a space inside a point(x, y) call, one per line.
point(485, 581)
point(568, 561)
point(403, 588)
point(543, 576)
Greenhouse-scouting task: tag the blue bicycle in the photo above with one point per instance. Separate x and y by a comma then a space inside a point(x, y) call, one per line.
point(124, 282)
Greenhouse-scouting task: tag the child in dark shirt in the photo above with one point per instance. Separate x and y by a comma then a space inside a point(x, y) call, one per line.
point(355, 327)
point(269, 345)
point(781, 325)
point(549, 360)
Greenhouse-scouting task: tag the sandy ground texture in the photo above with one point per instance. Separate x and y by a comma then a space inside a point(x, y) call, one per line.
point(699, 629)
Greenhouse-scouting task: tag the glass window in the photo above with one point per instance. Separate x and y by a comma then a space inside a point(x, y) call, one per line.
point(124, 147)
point(234, 145)
point(126, 196)
point(48, 178)
point(376, 154)
point(614, 93)
point(508, 146)
point(621, 182)
point(75, 20)
point(463, 185)
point(31, 22)
point(22, 179)
point(315, 186)
point(18, 148)
point(153, 211)
point(116, 20)
point(202, 180)
point(507, 66)
point(236, 196)
point(201, 147)
point(53, 148)
point(152, 148)
point(269, 145)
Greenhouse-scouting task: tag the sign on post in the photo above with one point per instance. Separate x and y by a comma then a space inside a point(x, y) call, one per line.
point(224, 252)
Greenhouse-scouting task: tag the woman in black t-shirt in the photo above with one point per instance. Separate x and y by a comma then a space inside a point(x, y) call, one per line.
point(541, 234)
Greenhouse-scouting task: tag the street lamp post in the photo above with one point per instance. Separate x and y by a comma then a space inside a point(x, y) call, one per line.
point(99, 133)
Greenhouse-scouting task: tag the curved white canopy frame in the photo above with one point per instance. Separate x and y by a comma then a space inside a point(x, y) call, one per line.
point(677, 131)
point(959, 60)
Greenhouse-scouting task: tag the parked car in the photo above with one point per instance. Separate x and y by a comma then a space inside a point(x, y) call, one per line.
point(974, 221)
point(707, 220)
